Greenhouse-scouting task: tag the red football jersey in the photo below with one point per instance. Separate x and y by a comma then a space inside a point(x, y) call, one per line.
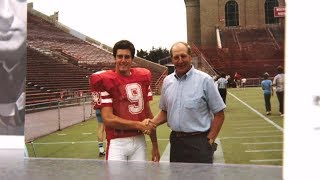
point(127, 95)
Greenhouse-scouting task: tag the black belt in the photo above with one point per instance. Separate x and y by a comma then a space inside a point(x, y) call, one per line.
point(185, 134)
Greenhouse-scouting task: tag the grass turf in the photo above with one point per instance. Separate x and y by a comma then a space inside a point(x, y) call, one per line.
point(246, 138)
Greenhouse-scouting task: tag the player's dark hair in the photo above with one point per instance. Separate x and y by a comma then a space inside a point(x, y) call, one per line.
point(124, 44)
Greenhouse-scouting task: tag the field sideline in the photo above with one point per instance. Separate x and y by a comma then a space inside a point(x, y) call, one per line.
point(248, 136)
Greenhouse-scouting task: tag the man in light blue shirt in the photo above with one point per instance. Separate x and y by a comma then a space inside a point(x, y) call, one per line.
point(266, 86)
point(193, 108)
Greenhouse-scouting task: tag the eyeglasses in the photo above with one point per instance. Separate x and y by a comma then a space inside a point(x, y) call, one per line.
point(120, 56)
point(178, 56)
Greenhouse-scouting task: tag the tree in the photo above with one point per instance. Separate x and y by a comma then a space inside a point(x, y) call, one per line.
point(154, 54)
point(143, 54)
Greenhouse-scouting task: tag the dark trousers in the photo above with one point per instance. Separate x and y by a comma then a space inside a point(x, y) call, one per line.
point(190, 149)
point(280, 96)
point(267, 102)
point(223, 94)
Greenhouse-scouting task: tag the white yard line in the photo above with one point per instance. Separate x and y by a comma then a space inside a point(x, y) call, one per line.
point(263, 143)
point(248, 132)
point(247, 124)
point(69, 142)
point(245, 121)
point(264, 150)
point(86, 133)
point(165, 157)
point(265, 160)
point(255, 127)
point(218, 154)
point(264, 117)
point(243, 137)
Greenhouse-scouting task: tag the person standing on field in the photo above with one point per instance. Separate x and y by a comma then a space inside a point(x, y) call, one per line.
point(222, 86)
point(193, 108)
point(123, 96)
point(266, 85)
point(278, 82)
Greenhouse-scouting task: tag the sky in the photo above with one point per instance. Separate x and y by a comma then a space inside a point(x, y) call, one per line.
point(146, 23)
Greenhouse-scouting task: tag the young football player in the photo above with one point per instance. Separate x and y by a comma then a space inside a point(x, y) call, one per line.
point(123, 96)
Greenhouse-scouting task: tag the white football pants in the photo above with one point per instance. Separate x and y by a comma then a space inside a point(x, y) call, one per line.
point(128, 148)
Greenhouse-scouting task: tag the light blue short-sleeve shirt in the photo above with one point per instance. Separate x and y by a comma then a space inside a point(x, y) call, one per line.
point(266, 86)
point(190, 101)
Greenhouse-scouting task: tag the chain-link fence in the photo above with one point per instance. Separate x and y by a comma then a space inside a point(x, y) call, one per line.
point(61, 114)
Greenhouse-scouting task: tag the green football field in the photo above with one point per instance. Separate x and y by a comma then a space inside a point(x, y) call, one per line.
point(247, 136)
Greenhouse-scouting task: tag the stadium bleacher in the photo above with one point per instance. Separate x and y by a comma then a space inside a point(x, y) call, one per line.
point(59, 62)
point(249, 51)
point(49, 77)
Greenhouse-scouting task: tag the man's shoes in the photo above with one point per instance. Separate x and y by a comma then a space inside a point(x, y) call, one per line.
point(102, 154)
point(268, 112)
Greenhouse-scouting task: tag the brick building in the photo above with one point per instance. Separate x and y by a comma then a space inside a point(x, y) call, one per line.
point(203, 16)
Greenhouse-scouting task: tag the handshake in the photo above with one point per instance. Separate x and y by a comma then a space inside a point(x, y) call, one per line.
point(147, 126)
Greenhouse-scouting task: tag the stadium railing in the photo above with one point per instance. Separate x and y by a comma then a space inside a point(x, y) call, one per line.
point(56, 115)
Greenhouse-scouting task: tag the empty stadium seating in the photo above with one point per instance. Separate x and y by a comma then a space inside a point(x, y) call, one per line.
point(249, 51)
point(47, 77)
point(59, 64)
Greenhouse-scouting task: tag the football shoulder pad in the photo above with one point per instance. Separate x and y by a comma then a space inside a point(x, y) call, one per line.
point(143, 72)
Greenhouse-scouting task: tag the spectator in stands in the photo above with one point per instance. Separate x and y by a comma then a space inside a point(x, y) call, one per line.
point(222, 86)
point(237, 79)
point(193, 108)
point(123, 96)
point(13, 28)
point(266, 85)
point(278, 81)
